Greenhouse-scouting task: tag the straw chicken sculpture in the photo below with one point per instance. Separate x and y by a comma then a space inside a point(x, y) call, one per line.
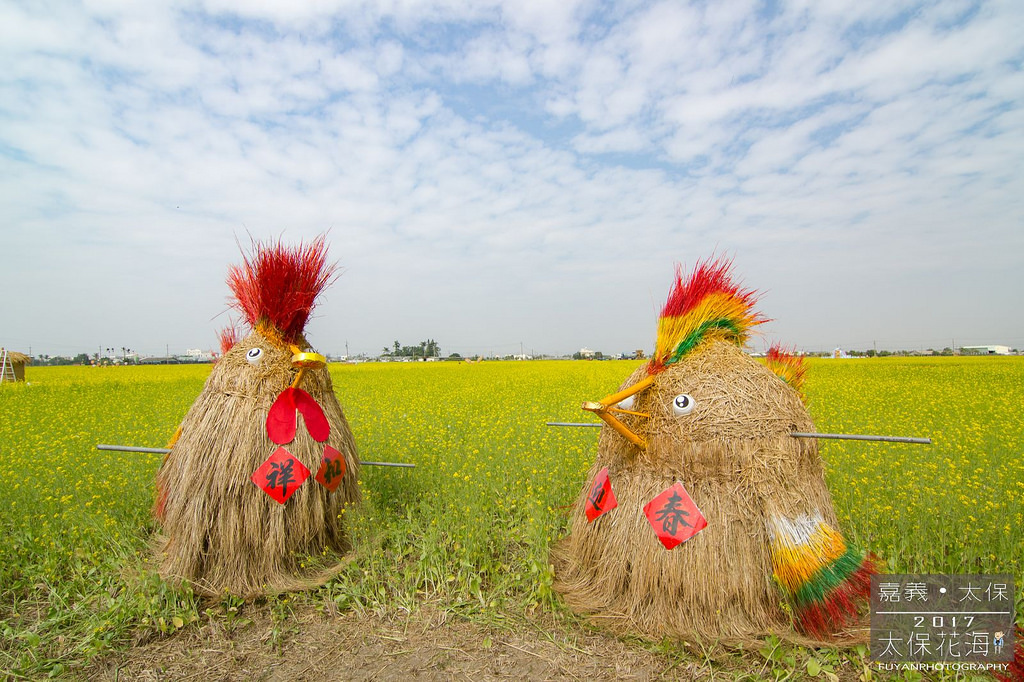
point(702, 515)
point(248, 488)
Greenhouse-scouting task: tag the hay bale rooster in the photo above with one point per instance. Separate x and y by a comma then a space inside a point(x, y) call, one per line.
point(247, 488)
point(702, 515)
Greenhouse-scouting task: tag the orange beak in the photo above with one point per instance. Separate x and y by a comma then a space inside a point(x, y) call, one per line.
point(605, 408)
point(305, 360)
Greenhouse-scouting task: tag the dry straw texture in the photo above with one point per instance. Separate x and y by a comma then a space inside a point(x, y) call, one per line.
point(735, 456)
point(18, 358)
point(220, 531)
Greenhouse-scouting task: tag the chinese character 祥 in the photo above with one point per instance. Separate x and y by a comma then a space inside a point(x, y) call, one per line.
point(281, 474)
point(671, 515)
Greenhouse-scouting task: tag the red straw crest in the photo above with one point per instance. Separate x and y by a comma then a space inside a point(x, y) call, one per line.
point(278, 286)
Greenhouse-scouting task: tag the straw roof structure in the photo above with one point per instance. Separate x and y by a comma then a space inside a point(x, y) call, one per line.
point(18, 358)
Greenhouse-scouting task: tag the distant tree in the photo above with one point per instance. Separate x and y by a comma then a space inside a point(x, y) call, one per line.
point(398, 348)
point(454, 356)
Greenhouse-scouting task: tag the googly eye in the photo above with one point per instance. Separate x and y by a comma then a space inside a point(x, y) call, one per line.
point(683, 404)
point(626, 403)
point(254, 356)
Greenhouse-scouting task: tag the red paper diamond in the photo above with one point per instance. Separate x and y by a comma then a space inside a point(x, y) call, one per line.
point(674, 517)
point(332, 468)
point(280, 475)
point(281, 420)
point(601, 499)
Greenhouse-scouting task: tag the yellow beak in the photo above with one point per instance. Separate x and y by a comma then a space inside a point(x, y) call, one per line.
point(607, 405)
point(305, 360)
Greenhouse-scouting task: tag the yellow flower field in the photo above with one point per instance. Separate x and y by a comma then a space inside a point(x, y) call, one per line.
point(472, 524)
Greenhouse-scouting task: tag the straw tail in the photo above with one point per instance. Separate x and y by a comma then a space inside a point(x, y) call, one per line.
point(228, 337)
point(276, 287)
point(788, 366)
point(826, 581)
point(707, 305)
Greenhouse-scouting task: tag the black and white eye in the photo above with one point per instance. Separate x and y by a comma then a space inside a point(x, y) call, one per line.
point(626, 403)
point(683, 404)
point(254, 356)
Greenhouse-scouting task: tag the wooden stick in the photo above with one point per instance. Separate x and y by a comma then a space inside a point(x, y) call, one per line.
point(854, 436)
point(164, 451)
point(796, 434)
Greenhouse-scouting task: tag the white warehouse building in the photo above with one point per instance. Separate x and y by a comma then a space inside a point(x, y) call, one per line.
point(988, 350)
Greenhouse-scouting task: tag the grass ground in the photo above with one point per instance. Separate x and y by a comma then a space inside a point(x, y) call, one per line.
point(466, 534)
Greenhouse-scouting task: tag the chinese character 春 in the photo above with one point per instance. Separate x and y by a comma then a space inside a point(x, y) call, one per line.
point(671, 515)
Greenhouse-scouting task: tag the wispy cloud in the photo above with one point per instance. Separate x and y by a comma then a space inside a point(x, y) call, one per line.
point(515, 171)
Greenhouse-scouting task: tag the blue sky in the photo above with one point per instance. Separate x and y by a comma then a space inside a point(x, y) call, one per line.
point(497, 173)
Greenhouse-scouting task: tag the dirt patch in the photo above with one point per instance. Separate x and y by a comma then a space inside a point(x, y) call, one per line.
point(426, 645)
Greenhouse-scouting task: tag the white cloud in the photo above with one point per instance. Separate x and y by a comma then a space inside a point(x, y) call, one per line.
point(519, 157)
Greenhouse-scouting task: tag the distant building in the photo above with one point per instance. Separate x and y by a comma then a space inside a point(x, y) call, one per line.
point(522, 357)
point(13, 365)
point(987, 350)
point(587, 353)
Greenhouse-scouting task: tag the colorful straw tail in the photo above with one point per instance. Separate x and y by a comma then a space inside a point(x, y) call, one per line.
point(788, 366)
point(824, 579)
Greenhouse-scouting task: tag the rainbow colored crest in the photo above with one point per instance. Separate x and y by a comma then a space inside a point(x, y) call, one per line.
point(788, 366)
point(276, 287)
point(706, 306)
